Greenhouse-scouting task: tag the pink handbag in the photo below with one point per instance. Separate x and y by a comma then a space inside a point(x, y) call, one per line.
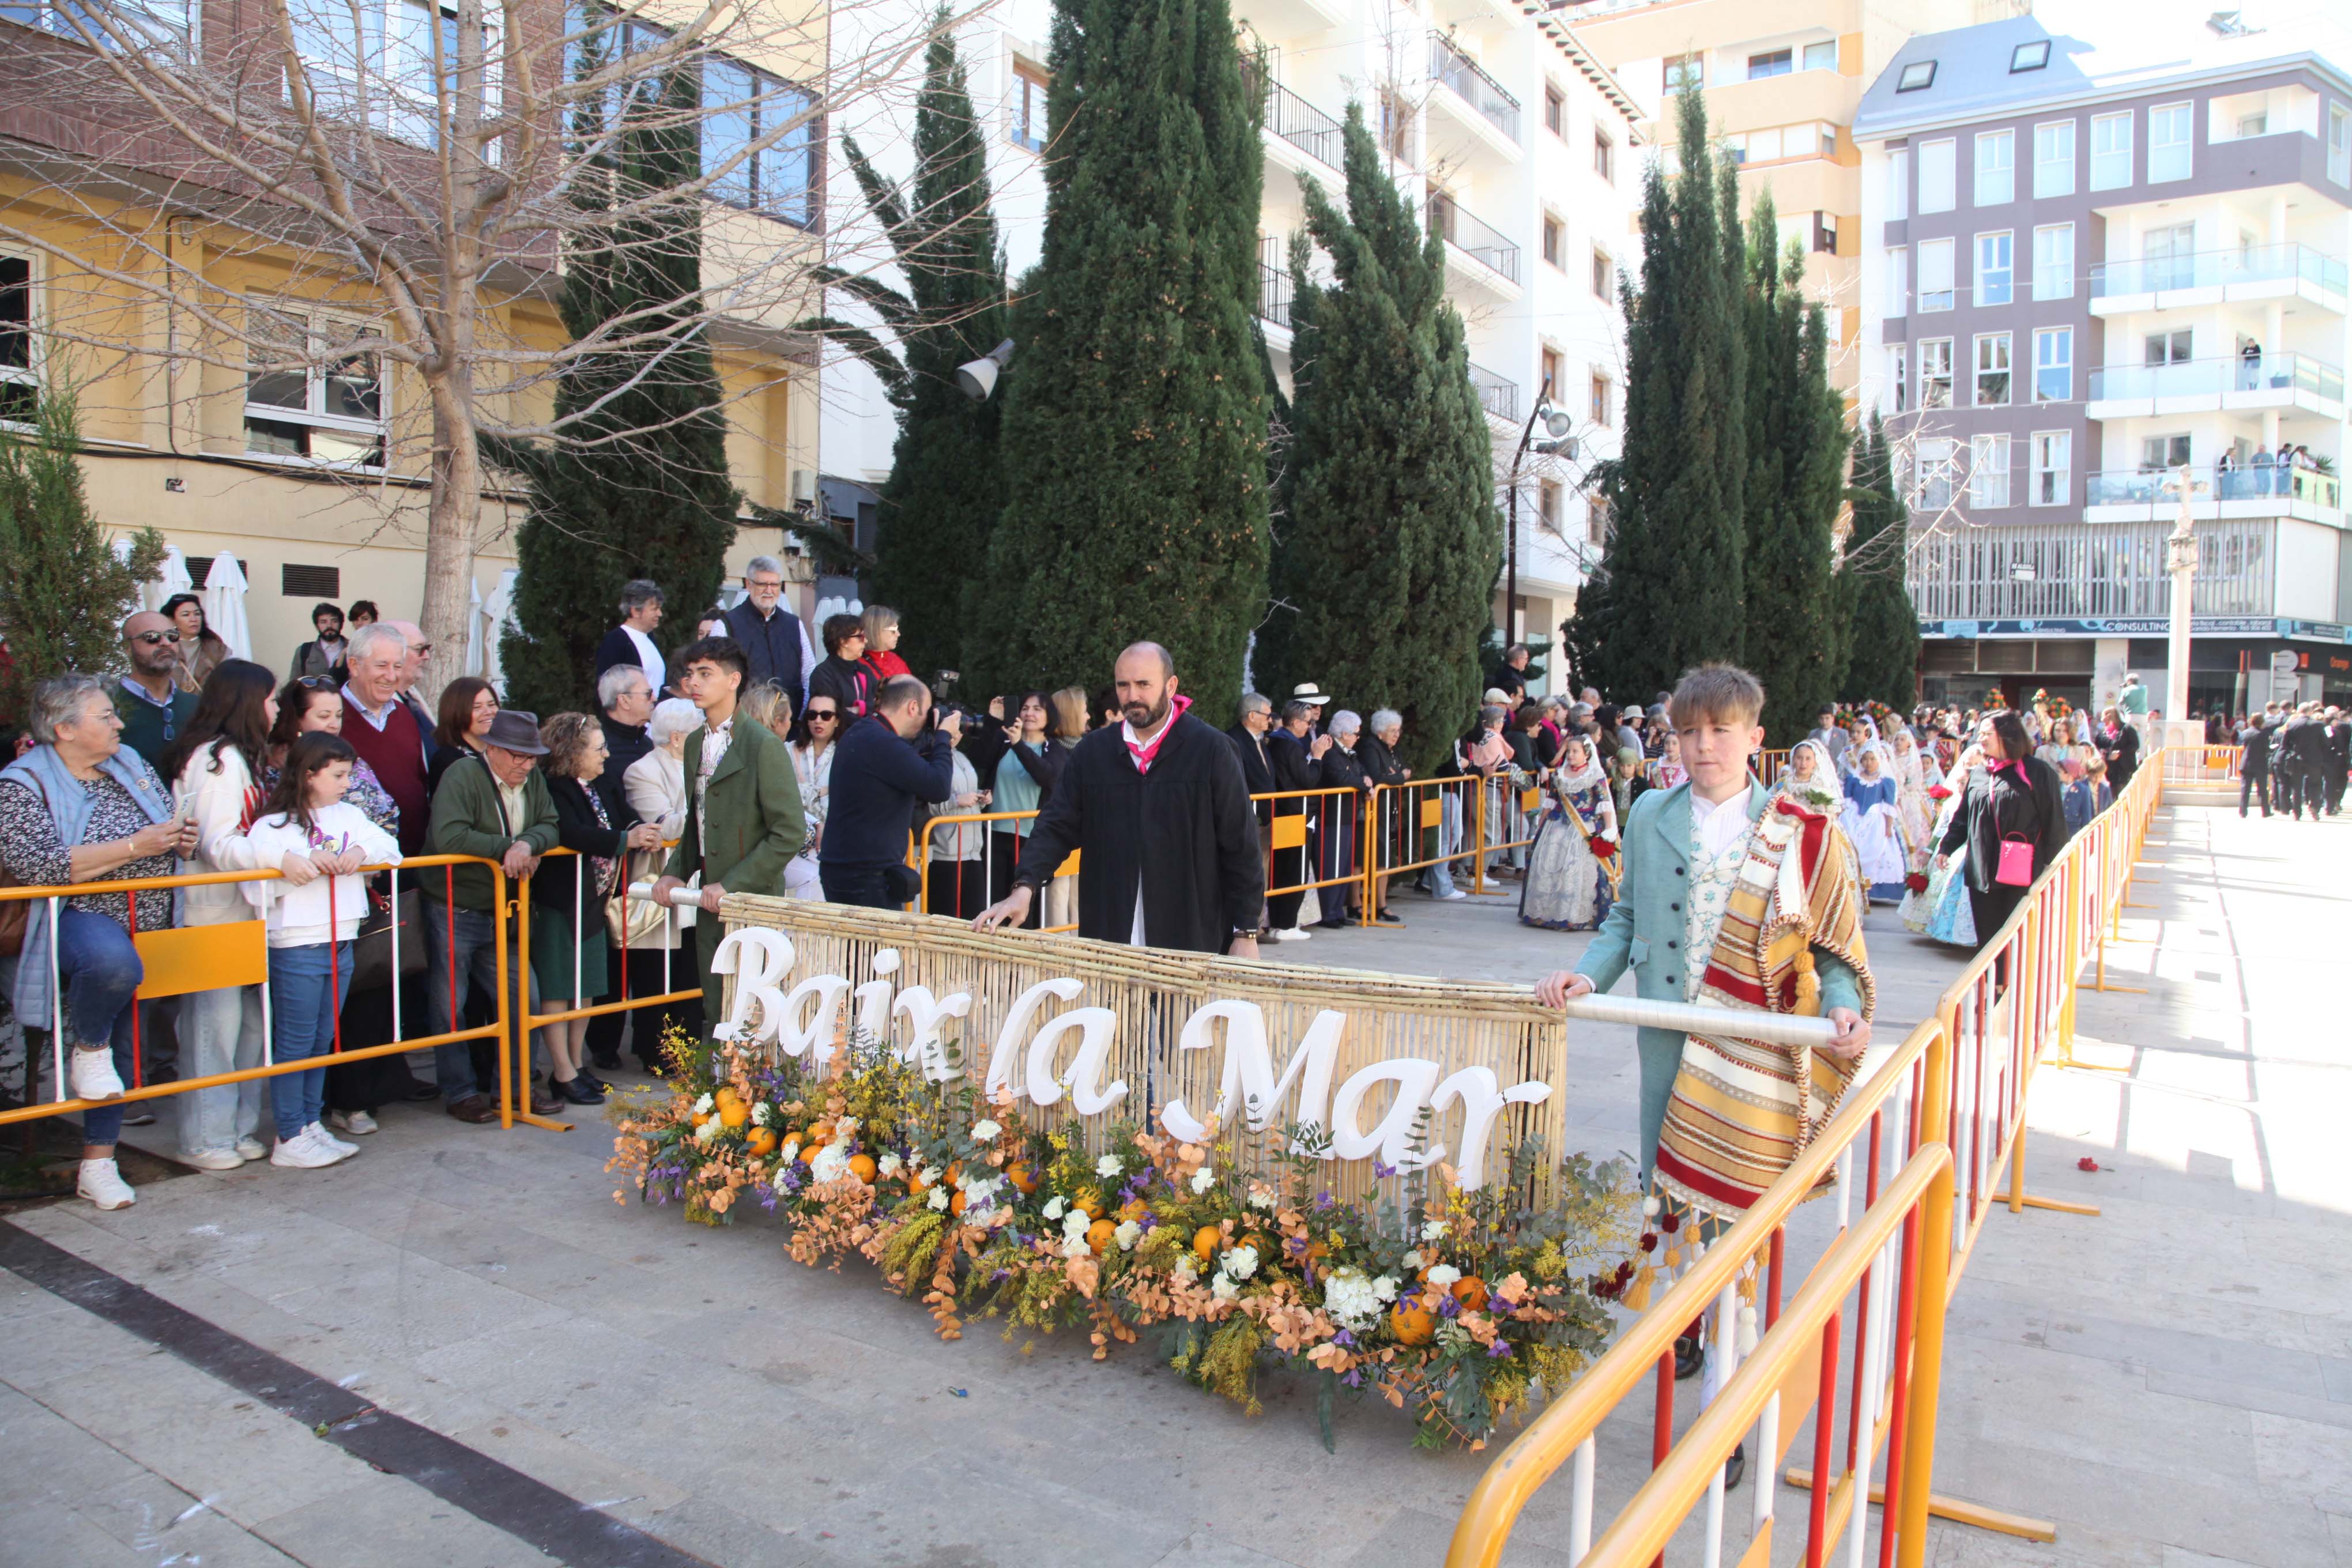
point(2016, 867)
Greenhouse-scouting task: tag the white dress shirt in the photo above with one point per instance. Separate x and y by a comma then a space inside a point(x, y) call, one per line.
point(1715, 828)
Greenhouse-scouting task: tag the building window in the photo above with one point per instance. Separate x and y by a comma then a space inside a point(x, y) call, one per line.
point(1825, 234)
point(1936, 374)
point(1396, 126)
point(1603, 274)
point(1548, 496)
point(1898, 376)
point(2054, 261)
point(1996, 167)
point(2168, 257)
point(1916, 77)
point(2053, 365)
point(2053, 469)
point(1936, 177)
point(1988, 470)
point(1935, 276)
point(2170, 128)
point(304, 395)
point(20, 378)
point(1821, 57)
point(2163, 452)
point(1596, 520)
point(1555, 240)
point(1778, 62)
point(1932, 471)
point(2053, 159)
point(1898, 183)
point(1898, 283)
point(741, 106)
point(2111, 151)
point(1600, 400)
point(1992, 371)
point(1685, 73)
point(2029, 56)
point(1996, 267)
point(1551, 374)
point(2169, 348)
point(2339, 144)
point(1554, 111)
point(1029, 85)
point(2254, 125)
point(1604, 155)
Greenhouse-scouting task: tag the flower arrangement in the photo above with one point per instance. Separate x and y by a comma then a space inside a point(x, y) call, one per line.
point(1463, 1307)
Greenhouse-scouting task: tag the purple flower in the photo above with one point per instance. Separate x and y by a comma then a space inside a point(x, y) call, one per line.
point(1353, 1379)
point(1499, 1348)
point(1344, 1337)
point(1323, 1200)
point(1448, 1307)
point(1382, 1171)
point(1000, 1274)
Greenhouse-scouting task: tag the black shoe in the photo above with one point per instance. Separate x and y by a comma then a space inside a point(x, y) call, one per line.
point(1337, 922)
point(1689, 1356)
point(1382, 918)
point(608, 1060)
point(598, 1084)
point(1735, 1468)
point(578, 1092)
point(135, 1118)
point(423, 1091)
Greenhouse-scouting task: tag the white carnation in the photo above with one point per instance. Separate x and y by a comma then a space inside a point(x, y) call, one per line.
point(1433, 1230)
point(1352, 1300)
point(847, 1125)
point(889, 1164)
point(1186, 1269)
point(1412, 1259)
point(702, 1106)
point(985, 1131)
point(791, 1150)
point(1222, 1289)
point(1055, 1205)
point(938, 1198)
point(1075, 1223)
point(1106, 1166)
point(1127, 1234)
point(1241, 1262)
point(1385, 1287)
point(1261, 1198)
point(764, 1114)
point(1203, 1179)
point(708, 1130)
point(832, 1163)
point(1444, 1274)
point(1074, 1246)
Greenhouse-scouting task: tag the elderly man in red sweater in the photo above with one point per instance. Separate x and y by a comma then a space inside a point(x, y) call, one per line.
point(382, 729)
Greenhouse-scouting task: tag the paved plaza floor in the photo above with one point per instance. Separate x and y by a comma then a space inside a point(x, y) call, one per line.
point(485, 1355)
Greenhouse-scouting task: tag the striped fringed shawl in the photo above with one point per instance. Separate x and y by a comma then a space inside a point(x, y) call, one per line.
point(1741, 1109)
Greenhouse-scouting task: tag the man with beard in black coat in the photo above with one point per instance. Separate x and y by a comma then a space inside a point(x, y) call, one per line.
point(2339, 757)
point(1157, 807)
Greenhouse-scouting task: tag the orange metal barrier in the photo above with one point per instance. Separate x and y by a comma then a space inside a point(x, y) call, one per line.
point(969, 901)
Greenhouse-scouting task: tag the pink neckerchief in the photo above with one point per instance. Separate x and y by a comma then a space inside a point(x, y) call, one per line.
point(1142, 755)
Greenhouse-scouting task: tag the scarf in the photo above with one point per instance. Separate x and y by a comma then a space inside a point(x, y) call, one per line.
point(43, 772)
point(1143, 755)
point(1741, 1109)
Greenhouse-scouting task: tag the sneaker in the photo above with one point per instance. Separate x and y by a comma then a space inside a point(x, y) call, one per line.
point(318, 1134)
point(249, 1149)
point(304, 1152)
point(94, 1077)
point(358, 1123)
point(214, 1160)
point(103, 1184)
point(135, 1117)
point(1292, 933)
point(1457, 893)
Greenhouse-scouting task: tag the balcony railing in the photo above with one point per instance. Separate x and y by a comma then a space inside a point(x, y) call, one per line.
point(1304, 126)
point(1453, 68)
point(2065, 571)
point(1500, 394)
point(2213, 377)
point(1466, 232)
point(2248, 481)
point(2216, 269)
point(1273, 294)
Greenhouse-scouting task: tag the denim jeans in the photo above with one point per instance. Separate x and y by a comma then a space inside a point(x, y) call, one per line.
point(1449, 839)
point(97, 973)
point(221, 1031)
point(864, 886)
point(307, 988)
point(448, 971)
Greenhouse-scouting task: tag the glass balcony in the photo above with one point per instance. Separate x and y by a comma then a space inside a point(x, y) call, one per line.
point(1466, 232)
point(1482, 93)
point(2219, 268)
point(2213, 377)
point(1500, 394)
point(2250, 481)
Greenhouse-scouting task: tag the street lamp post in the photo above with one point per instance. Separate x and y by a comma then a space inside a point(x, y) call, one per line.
point(2180, 560)
point(1557, 441)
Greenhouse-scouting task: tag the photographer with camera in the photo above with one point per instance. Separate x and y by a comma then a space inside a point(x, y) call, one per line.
point(882, 765)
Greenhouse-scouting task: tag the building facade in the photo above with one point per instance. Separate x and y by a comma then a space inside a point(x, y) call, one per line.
point(2082, 277)
point(1783, 83)
point(1511, 137)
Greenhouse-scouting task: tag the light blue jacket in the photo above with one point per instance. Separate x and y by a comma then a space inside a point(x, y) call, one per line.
point(1644, 932)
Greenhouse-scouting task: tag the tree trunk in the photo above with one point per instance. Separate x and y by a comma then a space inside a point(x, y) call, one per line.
point(452, 519)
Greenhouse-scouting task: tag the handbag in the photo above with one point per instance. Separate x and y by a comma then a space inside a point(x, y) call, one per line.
point(371, 948)
point(638, 922)
point(2016, 867)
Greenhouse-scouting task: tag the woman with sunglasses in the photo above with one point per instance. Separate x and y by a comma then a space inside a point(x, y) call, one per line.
point(812, 757)
point(201, 649)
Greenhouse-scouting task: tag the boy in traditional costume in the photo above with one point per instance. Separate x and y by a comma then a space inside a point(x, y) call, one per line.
point(1730, 897)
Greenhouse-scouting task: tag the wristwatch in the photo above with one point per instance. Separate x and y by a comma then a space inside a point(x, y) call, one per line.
point(1242, 933)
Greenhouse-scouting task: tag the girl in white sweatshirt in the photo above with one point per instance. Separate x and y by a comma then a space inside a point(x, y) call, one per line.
point(318, 842)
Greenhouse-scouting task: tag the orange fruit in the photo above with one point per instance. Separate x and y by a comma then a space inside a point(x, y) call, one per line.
point(733, 1113)
point(1134, 1209)
point(1100, 1235)
point(1090, 1201)
point(808, 1153)
point(863, 1166)
point(955, 1205)
point(1206, 1240)
point(1022, 1177)
point(1411, 1325)
point(763, 1141)
point(955, 1172)
point(821, 1133)
point(914, 1183)
point(1471, 1291)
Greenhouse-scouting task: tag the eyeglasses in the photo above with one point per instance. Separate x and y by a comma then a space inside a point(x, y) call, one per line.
point(151, 638)
point(827, 714)
point(317, 683)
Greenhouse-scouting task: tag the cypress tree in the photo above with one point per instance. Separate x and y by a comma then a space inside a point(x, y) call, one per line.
point(1673, 586)
point(944, 492)
point(1883, 662)
point(1796, 460)
point(1384, 564)
point(65, 592)
point(638, 485)
point(1135, 422)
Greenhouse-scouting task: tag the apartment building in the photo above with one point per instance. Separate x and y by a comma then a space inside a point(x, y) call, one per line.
point(1783, 83)
point(2090, 264)
point(132, 282)
point(1518, 145)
